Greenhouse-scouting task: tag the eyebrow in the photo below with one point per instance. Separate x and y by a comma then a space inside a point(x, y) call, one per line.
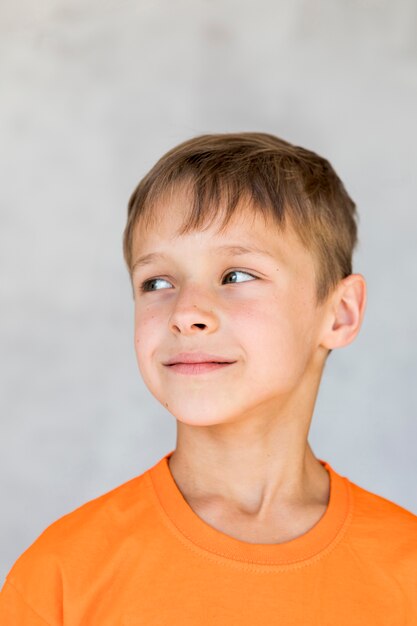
point(223, 249)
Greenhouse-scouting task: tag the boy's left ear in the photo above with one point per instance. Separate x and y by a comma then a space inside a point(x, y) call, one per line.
point(346, 309)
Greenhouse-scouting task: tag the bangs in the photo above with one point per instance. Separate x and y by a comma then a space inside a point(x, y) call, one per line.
point(217, 194)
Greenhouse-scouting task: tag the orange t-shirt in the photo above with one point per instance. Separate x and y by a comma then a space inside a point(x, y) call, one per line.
point(139, 555)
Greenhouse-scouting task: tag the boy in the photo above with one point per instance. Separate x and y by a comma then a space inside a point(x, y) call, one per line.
point(239, 249)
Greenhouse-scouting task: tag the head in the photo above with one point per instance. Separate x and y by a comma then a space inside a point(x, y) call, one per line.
point(292, 297)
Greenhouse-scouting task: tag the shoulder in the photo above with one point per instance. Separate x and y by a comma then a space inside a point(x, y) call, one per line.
point(384, 513)
point(76, 551)
point(91, 530)
point(383, 529)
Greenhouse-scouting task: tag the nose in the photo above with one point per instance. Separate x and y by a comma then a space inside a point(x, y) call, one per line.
point(191, 319)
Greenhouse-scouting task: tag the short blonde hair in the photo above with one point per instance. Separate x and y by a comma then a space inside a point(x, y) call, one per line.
point(281, 180)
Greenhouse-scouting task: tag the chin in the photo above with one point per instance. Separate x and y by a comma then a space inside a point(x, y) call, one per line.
point(195, 419)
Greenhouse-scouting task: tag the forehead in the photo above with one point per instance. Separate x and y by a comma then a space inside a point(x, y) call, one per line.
point(164, 228)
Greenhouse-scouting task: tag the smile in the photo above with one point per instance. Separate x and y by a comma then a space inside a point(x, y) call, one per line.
point(197, 368)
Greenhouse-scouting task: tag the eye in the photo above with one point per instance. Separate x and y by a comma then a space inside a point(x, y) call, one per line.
point(146, 285)
point(240, 272)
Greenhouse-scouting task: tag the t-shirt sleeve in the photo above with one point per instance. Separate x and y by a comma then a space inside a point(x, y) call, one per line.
point(33, 590)
point(15, 610)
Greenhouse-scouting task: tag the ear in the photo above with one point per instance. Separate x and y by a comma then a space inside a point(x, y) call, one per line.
point(346, 309)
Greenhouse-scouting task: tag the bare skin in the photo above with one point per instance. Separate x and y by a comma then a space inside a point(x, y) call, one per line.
point(257, 520)
point(242, 460)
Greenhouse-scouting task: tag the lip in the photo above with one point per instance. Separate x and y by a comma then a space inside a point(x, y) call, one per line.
point(198, 357)
point(197, 368)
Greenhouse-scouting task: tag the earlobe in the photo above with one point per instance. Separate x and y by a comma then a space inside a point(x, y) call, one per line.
point(347, 312)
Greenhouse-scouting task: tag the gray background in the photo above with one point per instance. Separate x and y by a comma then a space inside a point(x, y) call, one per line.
point(92, 93)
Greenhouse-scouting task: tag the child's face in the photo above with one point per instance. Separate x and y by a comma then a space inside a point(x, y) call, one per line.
point(257, 310)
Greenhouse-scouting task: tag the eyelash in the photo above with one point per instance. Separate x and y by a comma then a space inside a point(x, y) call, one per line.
point(150, 280)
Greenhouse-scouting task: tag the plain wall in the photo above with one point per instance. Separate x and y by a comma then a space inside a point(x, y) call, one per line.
point(92, 93)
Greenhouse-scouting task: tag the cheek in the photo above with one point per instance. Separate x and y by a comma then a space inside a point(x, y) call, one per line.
point(274, 339)
point(147, 342)
point(267, 329)
point(145, 334)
